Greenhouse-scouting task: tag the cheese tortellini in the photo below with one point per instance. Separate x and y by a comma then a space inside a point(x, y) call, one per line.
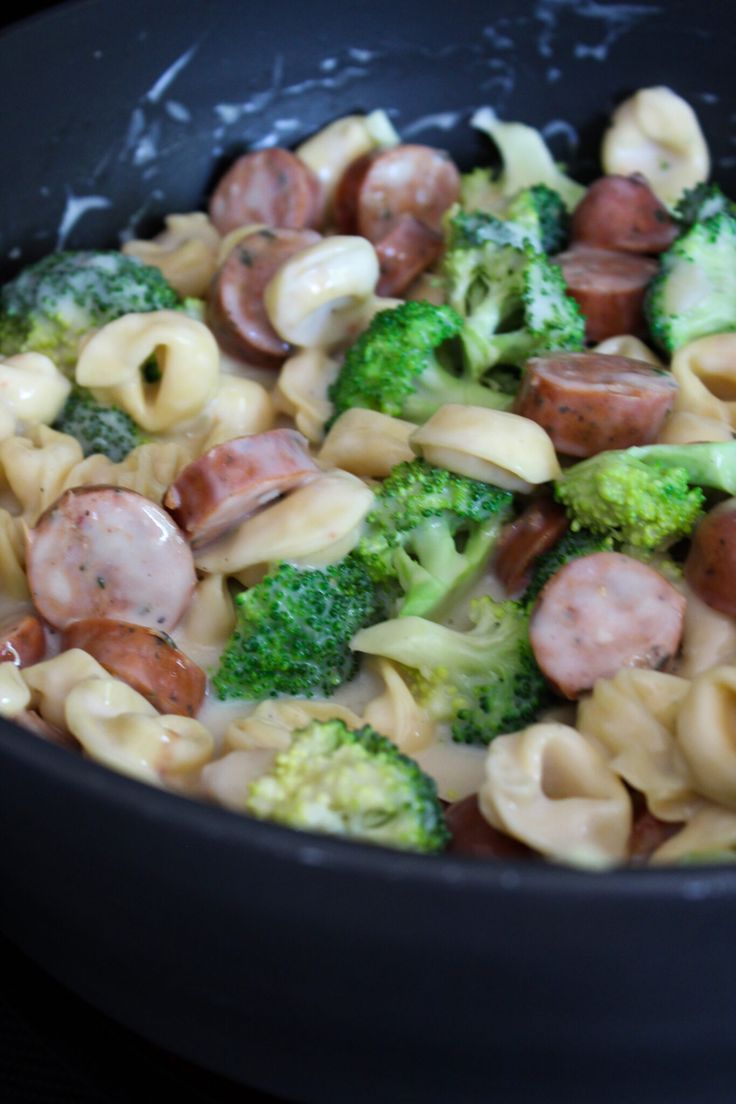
point(185, 252)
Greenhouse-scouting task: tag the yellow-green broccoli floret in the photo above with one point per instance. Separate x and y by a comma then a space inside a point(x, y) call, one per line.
point(98, 427)
point(353, 783)
point(51, 305)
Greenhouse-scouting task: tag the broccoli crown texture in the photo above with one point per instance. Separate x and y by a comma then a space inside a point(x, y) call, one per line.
point(702, 202)
point(541, 213)
point(484, 681)
point(293, 631)
point(645, 506)
point(574, 544)
point(393, 367)
point(97, 427)
point(353, 783)
point(694, 292)
point(431, 530)
point(52, 304)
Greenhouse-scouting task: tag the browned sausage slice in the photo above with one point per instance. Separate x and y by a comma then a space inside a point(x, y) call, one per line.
point(609, 287)
point(539, 528)
point(473, 835)
point(647, 834)
point(147, 660)
point(271, 186)
point(710, 567)
point(588, 402)
point(233, 479)
point(108, 552)
point(379, 187)
point(600, 613)
point(22, 640)
point(623, 213)
point(404, 254)
point(236, 311)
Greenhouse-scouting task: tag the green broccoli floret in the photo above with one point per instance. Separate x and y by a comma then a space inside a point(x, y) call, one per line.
point(483, 682)
point(540, 212)
point(432, 531)
point(53, 303)
point(642, 505)
point(98, 427)
point(694, 292)
point(710, 464)
point(513, 299)
point(293, 630)
point(353, 783)
point(479, 191)
point(395, 366)
point(702, 202)
point(574, 544)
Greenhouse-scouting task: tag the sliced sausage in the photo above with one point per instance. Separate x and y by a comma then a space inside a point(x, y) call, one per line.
point(381, 186)
point(147, 660)
point(609, 287)
point(404, 253)
point(539, 528)
point(600, 613)
point(236, 311)
point(22, 640)
point(271, 186)
point(473, 835)
point(109, 552)
point(623, 213)
point(710, 567)
point(215, 492)
point(648, 833)
point(588, 402)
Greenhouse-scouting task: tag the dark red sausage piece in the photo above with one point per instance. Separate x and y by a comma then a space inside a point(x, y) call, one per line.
point(473, 835)
point(648, 832)
point(539, 528)
point(271, 186)
point(589, 402)
point(623, 213)
point(710, 567)
point(381, 186)
point(600, 613)
point(609, 287)
point(109, 552)
point(22, 640)
point(405, 253)
point(147, 660)
point(231, 480)
point(236, 311)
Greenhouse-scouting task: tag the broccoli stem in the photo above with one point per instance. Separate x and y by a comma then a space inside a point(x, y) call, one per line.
point(710, 464)
point(436, 387)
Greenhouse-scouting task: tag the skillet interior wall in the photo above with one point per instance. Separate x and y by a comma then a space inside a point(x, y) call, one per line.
point(144, 104)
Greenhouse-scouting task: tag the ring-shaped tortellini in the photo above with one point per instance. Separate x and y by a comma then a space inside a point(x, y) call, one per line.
point(708, 637)
point(37, 466)
point(187, 356)
point(329, 152)
point(706, 733)
point(185, 252)
point(240, 407)
point(301, 391)
point(682, 427)
point(709, 836)
point(397, 714)
point(227, 780)
point(504, 449)
point(32, 387)
point(208, 620)
point(705, 371)
point(315, 525)
point(118, 727)
point(632, 716)
point(316, 295)
point(367, 443)
point(52, 680)
point(655, 132)
point(15, 694)
point(550, 788)
point(13, 557)
point(271, 723)
point(628, 346)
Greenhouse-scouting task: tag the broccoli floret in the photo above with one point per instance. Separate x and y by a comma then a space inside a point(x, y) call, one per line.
point(694, 292)
point(702, 202)
point(710, 464)
point(432, 531)
point(395, 366)
point(97, 427)
point(540, 212)
point(483, 682)
point(53, 303)
point(526, 159)
point(293, 630)
point(480, 192)
point(513, 299)
point(574, 544)
point(353, 783)
point(616, 494)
